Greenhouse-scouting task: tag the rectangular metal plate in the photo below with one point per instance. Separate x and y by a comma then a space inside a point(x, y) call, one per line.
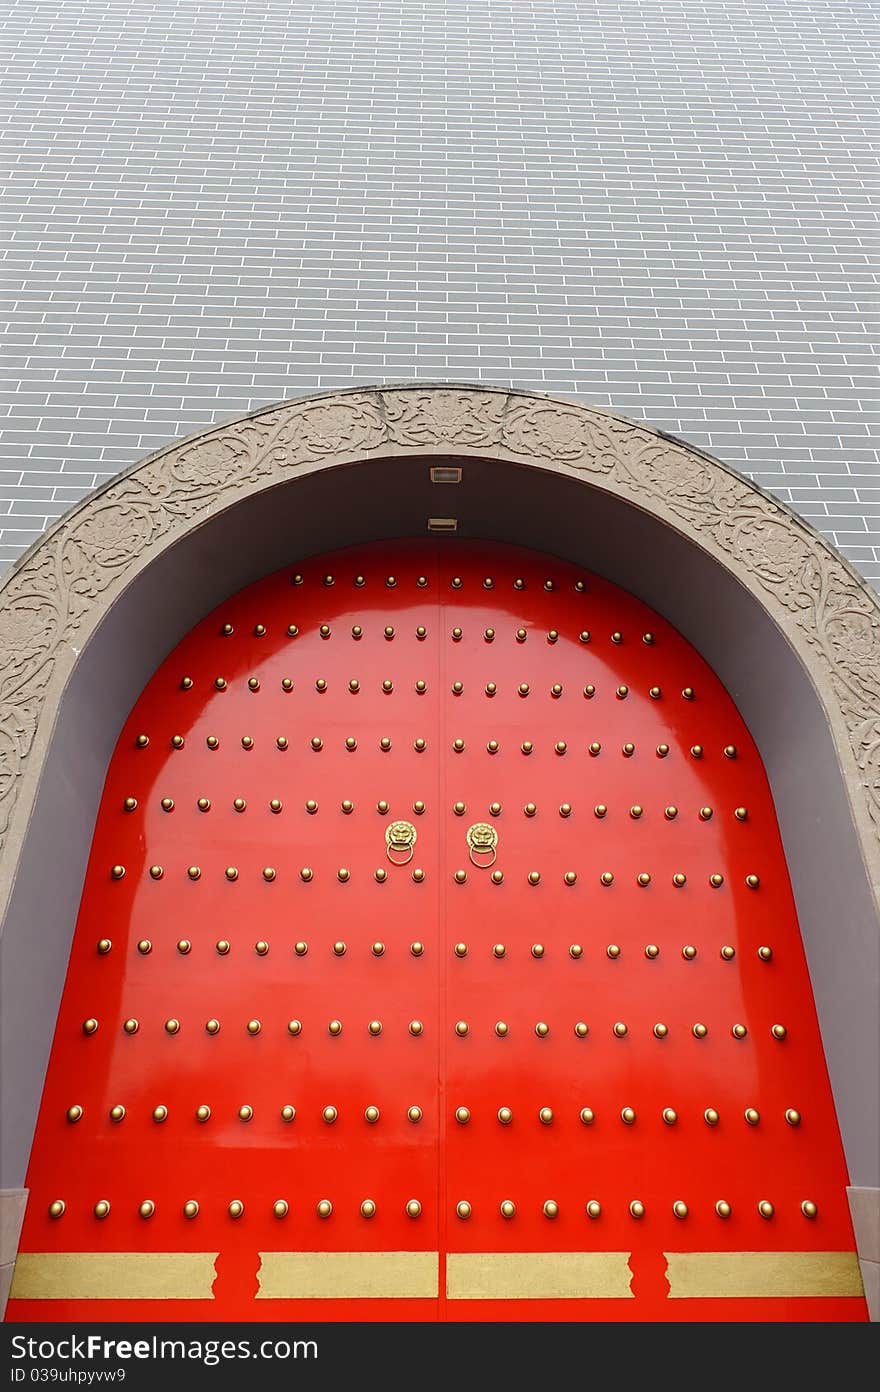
point(538, 1276)
point(348, 1275)
point(114, 1276)
point(695, 1275)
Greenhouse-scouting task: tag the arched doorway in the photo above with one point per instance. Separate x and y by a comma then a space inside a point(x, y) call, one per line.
point(468, 836)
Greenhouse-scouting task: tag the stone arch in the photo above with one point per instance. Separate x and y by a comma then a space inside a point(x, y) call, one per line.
point(793, 631)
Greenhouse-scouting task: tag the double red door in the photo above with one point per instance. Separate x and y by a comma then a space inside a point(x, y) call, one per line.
point(437, 959)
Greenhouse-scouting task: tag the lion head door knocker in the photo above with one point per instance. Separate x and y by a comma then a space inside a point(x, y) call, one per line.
point(482, 842)
point(400, 841)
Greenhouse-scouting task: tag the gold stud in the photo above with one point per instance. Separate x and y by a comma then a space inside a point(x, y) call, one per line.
point(461, 1028)
point(74, 1113)
point(582, 1029)
point(612, 951)
point(662, 751)
point(301, 948)
point(89, 1026)
point(460, 949)
point(594, 1209)
point(172, 1026)
point(117, 1113)
point(347, 806)
point(728, 952)
point(752, 881)
point(550, 1208)
point(670, 1116)
point(655, 693)
point(534, 877)
point(497, 877)
point(617, 637)
point(388, 686)
point(570, 877)
point(489, 635)
point(253, 1027)
point(359, 581)
point(368, 1208)
point(643, 879)
point(560, 746)
point(679, 879)
point(460, 876)
point(530, 809)
point(462, 1116)
point(716, 881)
point(493, 746)
point(587, 1116)
point(628, 1116)
point(275, 805)
point(766, 1209)
point(502, 1029)
point(231, 873)
point(117, 872)
point(142, 741)
point(519, 583)
point(160, 1113)
point(193, 872)
point(102, 1208)
point(607, 878)
point(710, 1116)
point(600, 810)
point(556, 690)
point(778, 1031)
point(661, 1030)
point(537, 949)
point(741, 814)
point(689, 952)
point(637, 1209)
point(378, 949)
point(752, 1116)
point(334, 1027)
point(417, 949)
point(416, 1027)
point(371, 1114)
point(184, 947)
point(130, 1026)
point(723, 1208)
point(413, 1208)
point(652, 951)
point(765, 953)
point(456, 635)
point(329, 1115)
point(329, 580)
point(620, 1029)
point(738, 1031)
point(421, 632)
point(385, 744)
point(792, 1116)
point(177, 741)
point(191, 1209)
point(324, 1208)
point(203, 804)
point(268, 873)
point(294, 1027)
point(463, 1209)
point(203, 1113)
point(235, 1209)
point(414, 1114)
point(700, 1031)
point(130, 804)
point(688, 693)
point(288, 1112)
point(622, 693)
point(280, 1208)
point(104, 945)
point(809, 1209)
point(147, 1208)
point(545, 1116)
point(505, 1116)
point(680, 1208)
point(343, 874)
point(552, 636)
point(584, 637)
point(220, 683)
point(57, 1208)
point(523, 689)
point(212, 742)
point(507, 1208)
point(306, 874)
point(286, 683)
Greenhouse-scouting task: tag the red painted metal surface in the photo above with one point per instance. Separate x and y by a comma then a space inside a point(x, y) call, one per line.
point(438, 1160)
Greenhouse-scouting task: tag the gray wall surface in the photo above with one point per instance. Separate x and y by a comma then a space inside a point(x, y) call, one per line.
point(659, 206)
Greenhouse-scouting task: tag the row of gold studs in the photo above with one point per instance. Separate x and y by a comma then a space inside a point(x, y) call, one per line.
point(457, 688)
point(422, 582)
point(416, 1027)
point(413, 1208)
point(462, 1115)
point(420, 744)
point(460, 876)
point(419, 807)
point(292, 630)
point(460, 949)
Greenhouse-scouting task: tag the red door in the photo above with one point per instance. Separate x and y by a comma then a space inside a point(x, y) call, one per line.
point(437, 959)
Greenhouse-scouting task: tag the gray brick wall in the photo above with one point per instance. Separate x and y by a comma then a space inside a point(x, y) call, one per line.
point(661, 206)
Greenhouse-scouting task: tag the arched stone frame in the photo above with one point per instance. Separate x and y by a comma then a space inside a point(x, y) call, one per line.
point(94, 606)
